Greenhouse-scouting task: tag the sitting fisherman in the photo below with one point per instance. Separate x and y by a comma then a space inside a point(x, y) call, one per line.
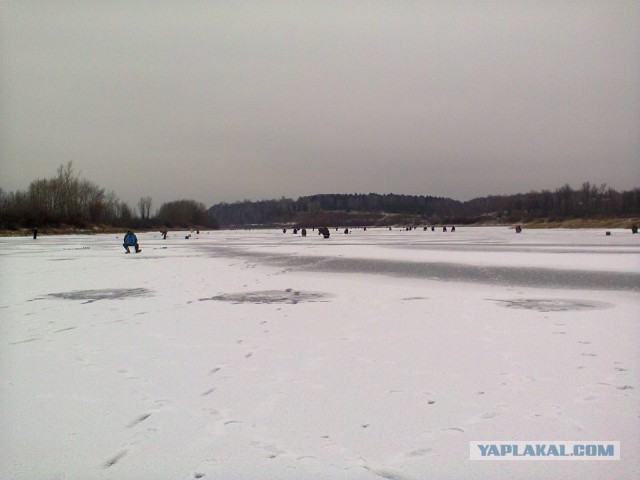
point(130, 240)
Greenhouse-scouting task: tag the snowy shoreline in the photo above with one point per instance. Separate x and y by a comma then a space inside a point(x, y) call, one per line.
point(257, 354)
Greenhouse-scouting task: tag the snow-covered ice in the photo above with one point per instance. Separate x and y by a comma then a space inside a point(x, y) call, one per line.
point(258, 354)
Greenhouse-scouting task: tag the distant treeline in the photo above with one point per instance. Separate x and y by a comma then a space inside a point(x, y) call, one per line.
point(66, 199)
point(69, 200)
point(590, 201)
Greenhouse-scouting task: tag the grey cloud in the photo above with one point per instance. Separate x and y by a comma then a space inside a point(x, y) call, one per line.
point(224, 101)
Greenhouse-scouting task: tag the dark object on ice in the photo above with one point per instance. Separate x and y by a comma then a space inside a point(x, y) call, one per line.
point(324, 231)
point(284, 230)
point(444, 229)
point(164, 234)
point(90, 296)
point(608, 233)
point(424, 229)
point(553, 304)
point(187, 237)
point(453, 228)
point(518, 229)
point(35, 233)
point(288, 296)
point(634, 229)
point(304, 232)
point(346, 231)
point(433, 229)
point(130, 240)
point(295, 231)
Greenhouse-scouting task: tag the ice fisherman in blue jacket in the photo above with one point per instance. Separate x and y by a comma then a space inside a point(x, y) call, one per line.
point(130, 240)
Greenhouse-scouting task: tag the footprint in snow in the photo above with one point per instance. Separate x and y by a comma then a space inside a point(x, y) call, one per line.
point(138, 420)
point(115, 459)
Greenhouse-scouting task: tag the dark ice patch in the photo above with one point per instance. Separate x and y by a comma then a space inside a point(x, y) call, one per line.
point(90, 296)
point(554, 304)
point(446, 272)
point(289, 296)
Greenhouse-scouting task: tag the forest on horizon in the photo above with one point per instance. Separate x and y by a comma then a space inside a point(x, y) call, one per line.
point(68, 200)
point(590, 201)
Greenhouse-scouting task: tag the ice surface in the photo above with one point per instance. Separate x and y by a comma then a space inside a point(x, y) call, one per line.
point(257, 354)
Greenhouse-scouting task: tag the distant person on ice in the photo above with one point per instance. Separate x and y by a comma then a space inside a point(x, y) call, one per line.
point(130, 240)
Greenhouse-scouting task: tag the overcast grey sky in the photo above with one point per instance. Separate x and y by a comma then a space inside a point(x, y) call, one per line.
point(222, 101)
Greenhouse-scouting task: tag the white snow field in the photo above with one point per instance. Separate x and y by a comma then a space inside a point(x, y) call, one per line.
point(263, 355)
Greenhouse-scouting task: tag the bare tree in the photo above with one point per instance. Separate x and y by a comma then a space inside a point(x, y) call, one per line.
point(123, 212)
point(144, 207)
point(185, 213)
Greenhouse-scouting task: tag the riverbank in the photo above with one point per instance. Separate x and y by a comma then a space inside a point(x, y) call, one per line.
point(62, 230)
point(70, 230)
point(584, 223)
point(574, 223)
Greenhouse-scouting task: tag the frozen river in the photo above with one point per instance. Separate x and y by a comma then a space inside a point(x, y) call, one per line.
point(258, 354)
